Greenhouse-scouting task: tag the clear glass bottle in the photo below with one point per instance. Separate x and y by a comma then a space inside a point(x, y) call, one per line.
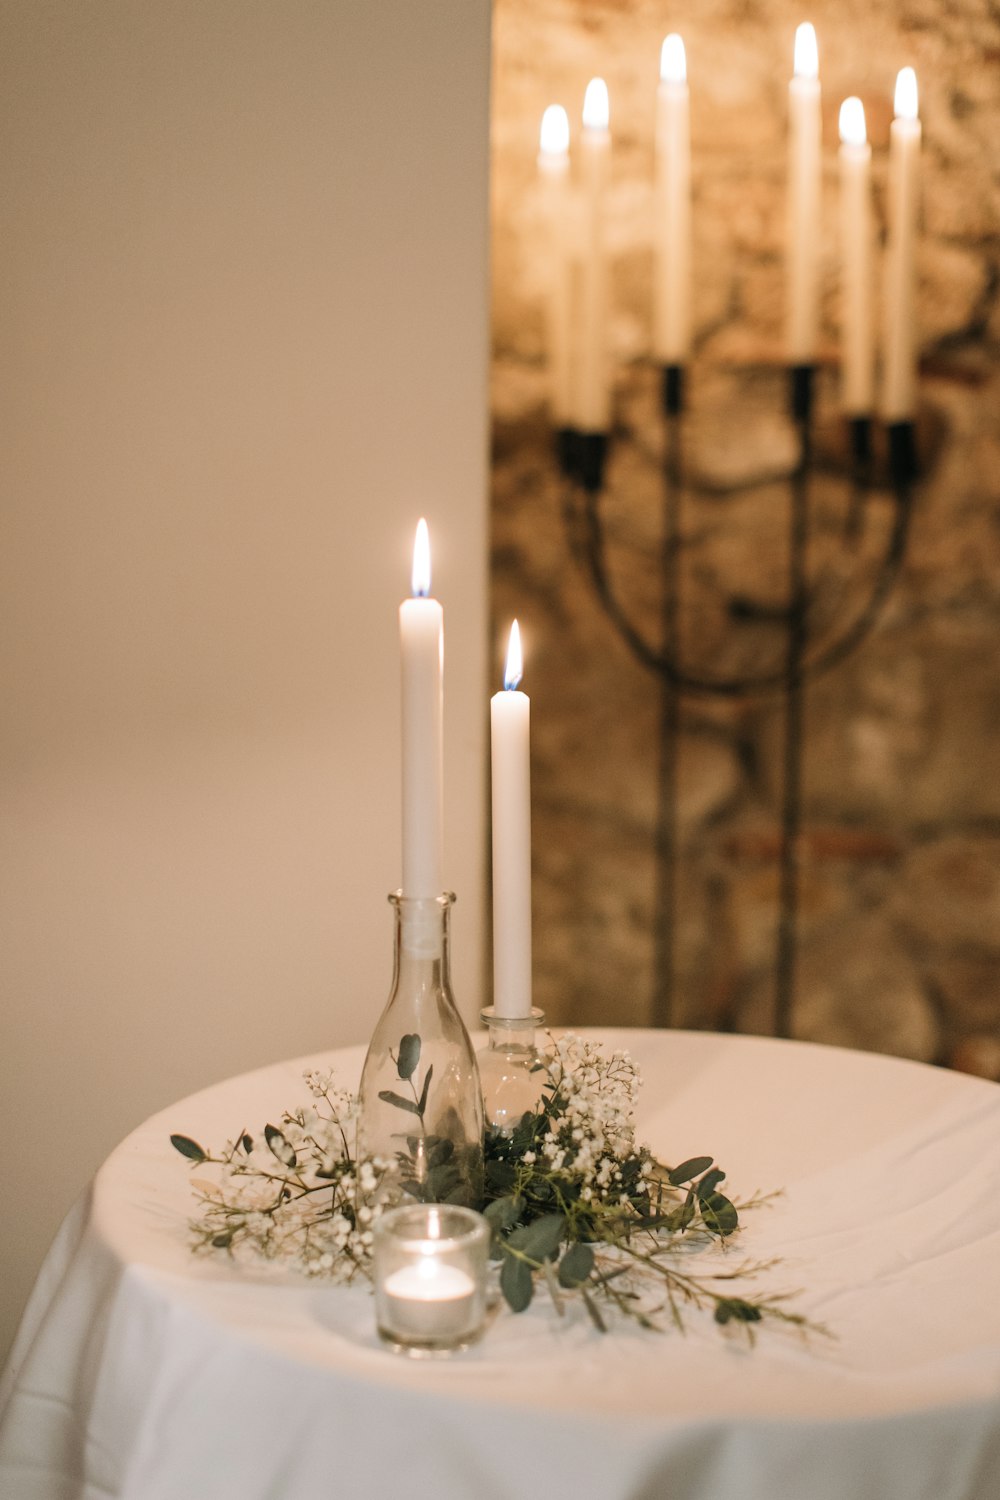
point(421, 1098)
point(511, 1068)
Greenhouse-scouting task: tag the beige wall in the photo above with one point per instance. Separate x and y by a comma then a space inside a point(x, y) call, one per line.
point(242, 348)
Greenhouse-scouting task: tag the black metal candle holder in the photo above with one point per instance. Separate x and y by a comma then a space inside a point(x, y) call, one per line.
point(582, 459)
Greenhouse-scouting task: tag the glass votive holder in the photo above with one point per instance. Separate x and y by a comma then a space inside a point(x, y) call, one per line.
point(430, 1277)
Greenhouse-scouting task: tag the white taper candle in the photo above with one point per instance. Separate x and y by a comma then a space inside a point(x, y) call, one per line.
point(510, 721)
point(672, 208)
point(592, 398)
point(553, 167)
point(421, 637)
point(857, 346)
point(804, 198)
point(899, 350)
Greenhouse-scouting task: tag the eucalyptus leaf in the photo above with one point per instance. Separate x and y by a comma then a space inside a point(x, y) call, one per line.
point(524, 1133)
point(280, 1147)
point(708, 1184)
point(719, 1215)
point(540, 1239)
point(189, 1148)
point(409, 1055)
point(388, 1097)
point(688, 1169)
point(439, 1150)
point(516, 1283)
point(441, 1181)
point(246, 1141)
point(500, 1175)
point(576, 1265)
point(502, 1213)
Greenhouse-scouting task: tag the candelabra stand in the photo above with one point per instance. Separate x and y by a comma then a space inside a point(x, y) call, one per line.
point(805, 655)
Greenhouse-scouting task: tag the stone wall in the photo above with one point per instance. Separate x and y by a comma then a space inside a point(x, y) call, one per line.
point(900, 851)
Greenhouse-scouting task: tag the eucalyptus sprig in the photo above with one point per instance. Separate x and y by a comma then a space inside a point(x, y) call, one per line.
point(298, 1192)
point(575, 1203)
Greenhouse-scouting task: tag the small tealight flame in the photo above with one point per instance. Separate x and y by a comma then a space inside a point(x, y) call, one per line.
point(673, 62)
point(852, 123)
point(806, 51)
point(515, 662)
point(905, 103)
point(421, 576)
point(554, 135)
point(596, 106)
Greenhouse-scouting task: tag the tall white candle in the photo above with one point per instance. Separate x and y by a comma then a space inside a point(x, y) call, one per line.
point(857, 355)
point(510, 720)
point(804, 169)
point(553, 167)
point(421, 637)
point(899, 351)
point(672, 208)
point(592, 399)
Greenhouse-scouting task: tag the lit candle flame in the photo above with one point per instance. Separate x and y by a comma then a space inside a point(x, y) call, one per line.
point(806, 51)
point(515, 662)
point(596, 107)
point(905, 103)
point(421, 576)
point(853, 131)
point(554, 136)
point(673, 62)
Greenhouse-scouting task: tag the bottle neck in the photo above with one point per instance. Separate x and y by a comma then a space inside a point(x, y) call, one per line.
point(422, 932)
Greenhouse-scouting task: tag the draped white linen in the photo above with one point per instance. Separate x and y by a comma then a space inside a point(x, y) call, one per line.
point(143, 1373)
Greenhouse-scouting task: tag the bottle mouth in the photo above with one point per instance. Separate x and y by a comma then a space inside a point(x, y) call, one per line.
point(410, 903)
point(490, 1017)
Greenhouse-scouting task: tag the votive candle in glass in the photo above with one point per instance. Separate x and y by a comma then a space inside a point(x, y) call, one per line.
point(430, 1277)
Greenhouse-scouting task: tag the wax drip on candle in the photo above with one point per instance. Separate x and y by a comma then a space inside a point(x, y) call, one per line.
point(905, 104)
point(806, 51)
point(514, 670)
point(673, 60)
point(421, 575)
point(853, 131)
point(554, 135)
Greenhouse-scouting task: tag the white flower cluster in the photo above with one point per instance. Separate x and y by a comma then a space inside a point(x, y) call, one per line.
point(298, 1193)
point(592, 1116)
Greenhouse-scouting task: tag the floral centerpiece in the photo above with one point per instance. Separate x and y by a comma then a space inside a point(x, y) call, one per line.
point(575, 1203)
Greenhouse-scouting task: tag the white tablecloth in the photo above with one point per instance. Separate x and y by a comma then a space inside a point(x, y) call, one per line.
point(143, 1373)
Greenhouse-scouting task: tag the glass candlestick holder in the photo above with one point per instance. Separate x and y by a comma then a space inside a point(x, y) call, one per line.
point(421, 1098)
point(430, 1277)
point(511, 1068)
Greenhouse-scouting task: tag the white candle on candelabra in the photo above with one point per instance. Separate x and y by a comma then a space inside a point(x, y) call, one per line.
point(804, 169)
point(421, 637)
point(899, 352)
point(553, 165)
point(592, 399)
point(510, 725)
point(672, 208)
point(857, 358)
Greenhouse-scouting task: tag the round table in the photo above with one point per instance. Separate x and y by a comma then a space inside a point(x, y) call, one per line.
point(145, 1373)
